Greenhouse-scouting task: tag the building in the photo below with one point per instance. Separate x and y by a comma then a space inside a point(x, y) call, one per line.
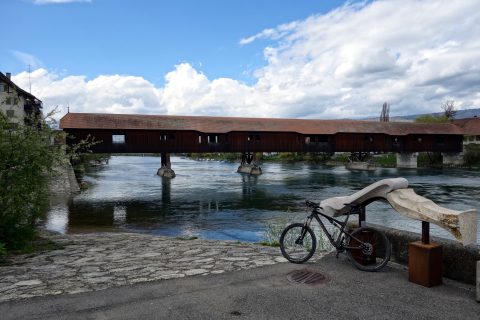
point(470, 128)
point(15, 103)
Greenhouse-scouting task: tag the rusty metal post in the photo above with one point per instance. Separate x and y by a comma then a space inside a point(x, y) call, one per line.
point(361, 216)
point(425, 232)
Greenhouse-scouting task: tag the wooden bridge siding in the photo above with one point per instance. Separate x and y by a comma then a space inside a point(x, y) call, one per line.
point(148, 141)
point(434, 143)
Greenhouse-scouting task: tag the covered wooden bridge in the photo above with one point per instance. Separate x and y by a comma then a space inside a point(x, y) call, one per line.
point(120, 133)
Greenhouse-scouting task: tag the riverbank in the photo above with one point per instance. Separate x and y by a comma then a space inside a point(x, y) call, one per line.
point(95, 261)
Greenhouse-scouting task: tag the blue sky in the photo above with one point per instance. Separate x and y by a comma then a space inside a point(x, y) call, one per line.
point(145, 38)
point(265, 58)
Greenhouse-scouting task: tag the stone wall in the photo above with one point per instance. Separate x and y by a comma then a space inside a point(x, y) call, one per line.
point(459, 262)
point(63, 181)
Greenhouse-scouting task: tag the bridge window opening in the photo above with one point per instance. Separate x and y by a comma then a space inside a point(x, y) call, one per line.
point(322, 139)
point(253, 137)
point(308, 140)
point(440, 140)
point(396, 141)
point(212, 139)
point(419, 139)
point(368, 139)
point(118, 138)
point(199, 139)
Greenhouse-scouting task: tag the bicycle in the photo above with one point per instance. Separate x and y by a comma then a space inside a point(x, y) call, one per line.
point(368, 248)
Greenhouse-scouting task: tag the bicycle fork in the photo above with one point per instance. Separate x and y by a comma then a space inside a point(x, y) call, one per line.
point(304, 230)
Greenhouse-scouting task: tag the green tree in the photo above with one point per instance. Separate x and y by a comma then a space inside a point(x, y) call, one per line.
point(26, 159)
point(430, 118)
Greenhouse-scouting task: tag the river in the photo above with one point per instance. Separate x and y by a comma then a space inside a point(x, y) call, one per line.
point(209, 200)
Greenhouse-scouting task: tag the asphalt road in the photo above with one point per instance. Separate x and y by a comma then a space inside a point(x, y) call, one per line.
point(263, 293)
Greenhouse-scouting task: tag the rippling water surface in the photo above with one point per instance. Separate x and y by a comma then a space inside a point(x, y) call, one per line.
point(210, 200)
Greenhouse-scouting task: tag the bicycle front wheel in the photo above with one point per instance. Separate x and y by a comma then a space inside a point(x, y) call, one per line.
point(372, 253)
point(298, 243)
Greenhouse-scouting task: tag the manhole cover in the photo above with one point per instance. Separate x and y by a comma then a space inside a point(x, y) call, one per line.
point(307, 277)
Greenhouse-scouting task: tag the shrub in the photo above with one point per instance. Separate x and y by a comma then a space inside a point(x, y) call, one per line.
point(472, 155)
point(3, 252)
point(26, 159)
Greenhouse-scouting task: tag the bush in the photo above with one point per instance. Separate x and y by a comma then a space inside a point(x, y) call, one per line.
point(3, 252)
point(26, 159)
point(472, 155)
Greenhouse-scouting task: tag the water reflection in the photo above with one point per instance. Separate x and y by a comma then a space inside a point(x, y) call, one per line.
point(210, 200)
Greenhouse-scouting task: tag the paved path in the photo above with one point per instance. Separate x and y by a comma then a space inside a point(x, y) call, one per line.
point(97, 261)
point(262, 293)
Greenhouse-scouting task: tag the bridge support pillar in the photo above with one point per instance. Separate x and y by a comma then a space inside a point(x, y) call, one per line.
point(165, 170)
point(249, 164)
point(452, 159)
point(407, 160)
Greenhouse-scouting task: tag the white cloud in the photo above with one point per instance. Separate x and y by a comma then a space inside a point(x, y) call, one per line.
point(104, 94)
point(58, 1)
point(346, 63)
point(27, 59)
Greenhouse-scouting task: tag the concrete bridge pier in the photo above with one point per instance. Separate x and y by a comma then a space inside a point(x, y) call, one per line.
point(407, 160)
point(452, 159)
point(249, 164)
point(165, 170)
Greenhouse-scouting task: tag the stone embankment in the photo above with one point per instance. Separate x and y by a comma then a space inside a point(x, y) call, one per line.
point(90, 262)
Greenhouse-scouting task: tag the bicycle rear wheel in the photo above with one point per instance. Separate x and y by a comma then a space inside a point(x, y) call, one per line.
point(374, 251)
point(298, 243)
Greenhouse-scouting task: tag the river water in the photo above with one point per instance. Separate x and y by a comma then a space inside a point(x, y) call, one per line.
point(208, 199)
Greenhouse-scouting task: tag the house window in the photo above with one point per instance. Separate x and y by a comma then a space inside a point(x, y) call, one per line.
point(118, 138)
point(8, 101)
point(10, 113)
point(3, 87)
point(15, 101)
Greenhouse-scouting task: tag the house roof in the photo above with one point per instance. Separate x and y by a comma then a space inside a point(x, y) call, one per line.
point(470, 126)
point(229, 124)
point(20, 91)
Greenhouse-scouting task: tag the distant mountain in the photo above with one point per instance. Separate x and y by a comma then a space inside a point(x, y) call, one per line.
point(461, 114)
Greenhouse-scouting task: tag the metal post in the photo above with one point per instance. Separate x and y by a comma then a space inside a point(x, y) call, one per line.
point(425, 232)
point(361, 216)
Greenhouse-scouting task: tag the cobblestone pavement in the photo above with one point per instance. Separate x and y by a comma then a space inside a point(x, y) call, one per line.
point(97, 261)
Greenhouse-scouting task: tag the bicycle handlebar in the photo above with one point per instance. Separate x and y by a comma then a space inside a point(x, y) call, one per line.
point(312, 204)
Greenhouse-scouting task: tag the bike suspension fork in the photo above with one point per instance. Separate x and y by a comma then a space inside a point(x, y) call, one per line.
point(308, 221)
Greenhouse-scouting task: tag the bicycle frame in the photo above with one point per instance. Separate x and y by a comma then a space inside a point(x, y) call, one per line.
point(336, 223)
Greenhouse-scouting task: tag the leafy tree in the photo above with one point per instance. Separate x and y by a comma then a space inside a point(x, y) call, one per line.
point(430, 118)
point(26, 159)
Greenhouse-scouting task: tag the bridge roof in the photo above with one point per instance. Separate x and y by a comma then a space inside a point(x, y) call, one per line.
point(470, 126)
point(92, 121)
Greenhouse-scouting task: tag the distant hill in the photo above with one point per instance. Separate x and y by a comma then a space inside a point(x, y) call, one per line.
point(461, 114)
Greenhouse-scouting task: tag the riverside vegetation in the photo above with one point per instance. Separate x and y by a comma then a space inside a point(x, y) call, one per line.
point(27, 158)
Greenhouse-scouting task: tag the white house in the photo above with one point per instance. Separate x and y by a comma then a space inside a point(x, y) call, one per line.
point(15, 103)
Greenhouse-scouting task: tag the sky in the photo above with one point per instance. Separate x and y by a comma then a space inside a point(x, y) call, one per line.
point(266, 58)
